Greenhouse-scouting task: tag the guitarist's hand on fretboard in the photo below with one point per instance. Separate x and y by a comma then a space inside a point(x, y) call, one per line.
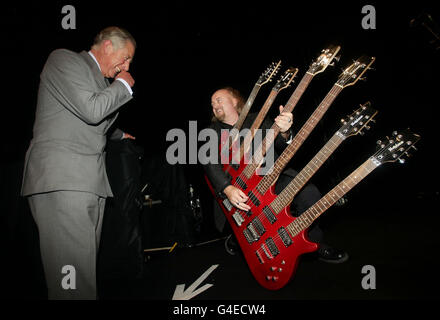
point(284, 120)
point(237, 197)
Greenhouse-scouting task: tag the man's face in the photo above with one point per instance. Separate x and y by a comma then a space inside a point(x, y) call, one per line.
point(116, 60)
point(223, 104)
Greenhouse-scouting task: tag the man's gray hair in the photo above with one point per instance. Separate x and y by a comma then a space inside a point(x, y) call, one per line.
point(118, 36)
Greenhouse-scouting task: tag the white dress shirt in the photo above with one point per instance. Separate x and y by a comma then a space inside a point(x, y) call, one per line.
point(119, 79)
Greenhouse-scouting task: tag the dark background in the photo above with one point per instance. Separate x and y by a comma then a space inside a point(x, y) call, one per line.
point(186, 50)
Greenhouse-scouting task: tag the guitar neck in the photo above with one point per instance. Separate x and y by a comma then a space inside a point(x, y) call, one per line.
point(233, 133)
point(270, 138)
point(311, 214)
point(244, 147)
point(292, 189)
point(296, 95)
point(300, 137)
point(244, 112)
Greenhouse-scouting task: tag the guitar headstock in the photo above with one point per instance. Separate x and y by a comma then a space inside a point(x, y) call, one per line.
point(396, 148)
point(358, 120)
point(355, 71)
point(269, 73)
point(324, 60)
point(286, 79)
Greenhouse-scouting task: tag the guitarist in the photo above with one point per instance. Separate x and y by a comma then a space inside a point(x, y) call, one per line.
point(226, 105)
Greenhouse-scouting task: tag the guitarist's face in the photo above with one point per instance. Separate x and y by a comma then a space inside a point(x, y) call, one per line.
point(224, 105)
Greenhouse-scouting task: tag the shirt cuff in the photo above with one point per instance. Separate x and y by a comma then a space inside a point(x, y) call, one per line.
point(126, 85)
point(289, 141)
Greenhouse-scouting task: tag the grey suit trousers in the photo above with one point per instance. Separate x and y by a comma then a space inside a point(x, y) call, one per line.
point(69, 225)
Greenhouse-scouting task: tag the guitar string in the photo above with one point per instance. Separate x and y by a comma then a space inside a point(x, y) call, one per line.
point(294, 143)
point(290, 105)
point(359, 174)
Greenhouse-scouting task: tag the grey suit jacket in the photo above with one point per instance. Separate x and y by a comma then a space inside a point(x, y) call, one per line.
point(75, 108)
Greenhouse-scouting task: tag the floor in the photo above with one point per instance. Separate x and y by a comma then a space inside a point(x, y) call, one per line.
point(399, 250)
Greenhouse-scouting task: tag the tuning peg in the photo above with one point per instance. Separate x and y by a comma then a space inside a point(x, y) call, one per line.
point(361, 133)
point(337, 58)
point(413, 147)
point(363, 79)
point(380, 143)
point(402, 161)
point(367, 127)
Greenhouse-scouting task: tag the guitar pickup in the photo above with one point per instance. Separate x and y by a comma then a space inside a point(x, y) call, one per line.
point(227, 204)
point(269, 214)
point(266, 251)
point(260, 258)
point(238, 218)
point(248, 236)
point(272, 247)
point(285, 236)
point(258, 226)
point(254, 198)
point(241, 183)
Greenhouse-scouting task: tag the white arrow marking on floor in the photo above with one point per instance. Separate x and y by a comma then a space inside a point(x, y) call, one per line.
point(181, 294)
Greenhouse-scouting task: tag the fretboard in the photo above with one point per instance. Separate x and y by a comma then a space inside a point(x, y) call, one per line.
point(243, 114)
point(300, 137)
point(292, 189)
point(270, 138)
point(244, 146)
point(311, 214)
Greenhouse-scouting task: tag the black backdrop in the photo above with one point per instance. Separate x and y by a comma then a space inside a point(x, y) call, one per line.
point(186, 50)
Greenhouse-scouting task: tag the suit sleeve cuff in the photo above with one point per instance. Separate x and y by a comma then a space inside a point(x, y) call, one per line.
point(126, 85)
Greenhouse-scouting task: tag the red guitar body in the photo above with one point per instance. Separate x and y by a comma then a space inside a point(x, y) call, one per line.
point(271, 260)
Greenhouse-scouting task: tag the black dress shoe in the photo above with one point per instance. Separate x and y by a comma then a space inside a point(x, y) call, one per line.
point(332, 255)
point(231, 245)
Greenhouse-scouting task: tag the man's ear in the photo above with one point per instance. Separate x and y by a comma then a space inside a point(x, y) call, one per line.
point(107, 46)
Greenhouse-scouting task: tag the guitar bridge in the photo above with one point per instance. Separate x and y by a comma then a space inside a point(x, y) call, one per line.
point(272, 247)
point(238, 218)
point(227, 204)
point(258, 226)
point(241, 183)
point(253, 198)
point(269, 214)
point(285, 237)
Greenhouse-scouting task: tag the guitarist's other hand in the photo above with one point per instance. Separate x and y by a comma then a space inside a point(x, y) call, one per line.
point(237, 197)
point(284, 120)
point(126, 76)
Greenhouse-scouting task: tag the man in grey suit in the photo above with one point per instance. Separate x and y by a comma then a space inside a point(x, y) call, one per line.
point(64, 174)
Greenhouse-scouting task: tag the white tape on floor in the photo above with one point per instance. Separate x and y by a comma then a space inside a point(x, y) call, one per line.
point(181, 294)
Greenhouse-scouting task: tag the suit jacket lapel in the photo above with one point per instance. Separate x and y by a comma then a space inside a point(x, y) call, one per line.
point(102, 81)
point(92, 64)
